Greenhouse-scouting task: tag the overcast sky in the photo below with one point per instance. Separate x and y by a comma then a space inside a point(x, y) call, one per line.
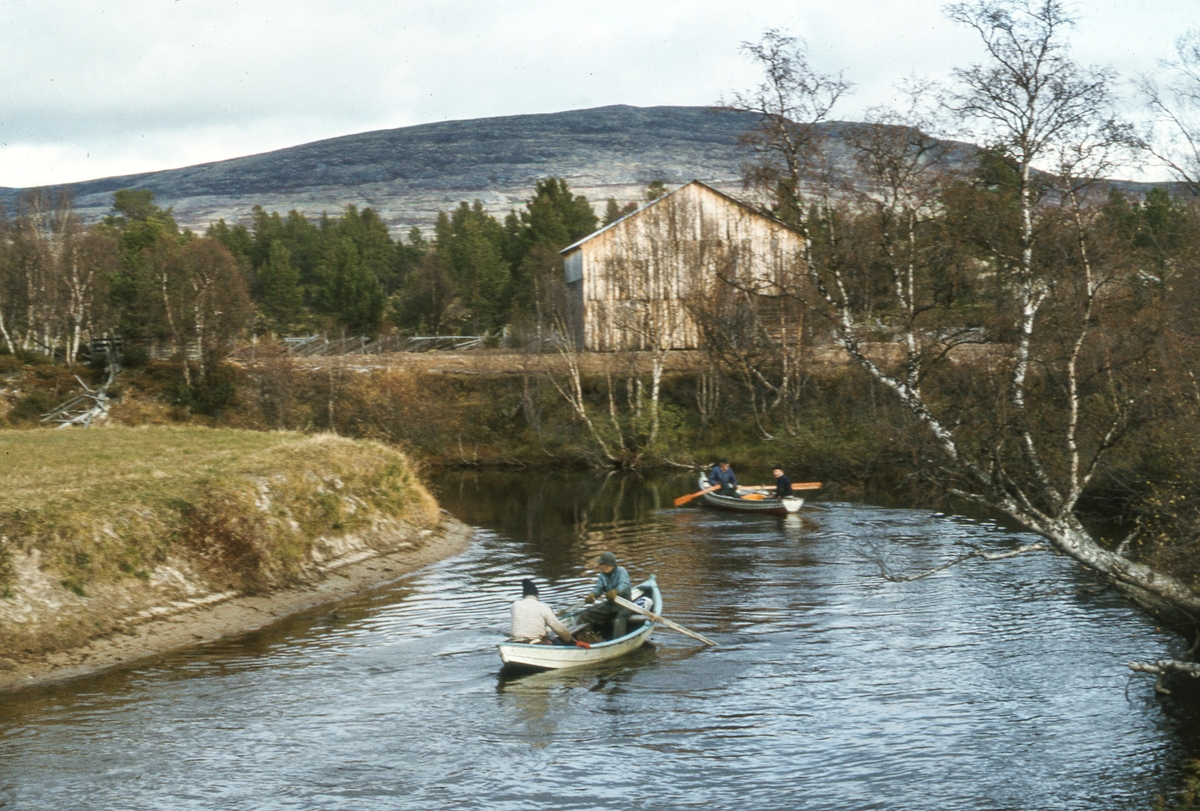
point(90, 88)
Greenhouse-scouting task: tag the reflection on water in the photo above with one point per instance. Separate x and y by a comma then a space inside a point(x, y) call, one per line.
point(997, 686)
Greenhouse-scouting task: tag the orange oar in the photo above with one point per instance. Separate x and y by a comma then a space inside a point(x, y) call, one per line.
point(679, 502)
point(796, 486)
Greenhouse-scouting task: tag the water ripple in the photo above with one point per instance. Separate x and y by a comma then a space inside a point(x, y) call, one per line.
point(982, 687)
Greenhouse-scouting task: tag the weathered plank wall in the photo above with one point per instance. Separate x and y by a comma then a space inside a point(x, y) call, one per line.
point(637, 283)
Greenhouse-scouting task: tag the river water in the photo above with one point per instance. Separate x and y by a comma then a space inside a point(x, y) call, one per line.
point(986, 686)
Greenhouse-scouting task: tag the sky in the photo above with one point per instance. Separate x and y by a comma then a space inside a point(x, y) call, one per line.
point(90, 88)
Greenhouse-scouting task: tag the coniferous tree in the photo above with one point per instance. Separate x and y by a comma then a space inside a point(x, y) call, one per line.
point(349, 292)
point(471, 244)
point(614, 211)
point(236, 238)
point(280, 296)
point(135, 288)
point(370, 236)
point(407, 258)
point(655, 190)
point(551, 220)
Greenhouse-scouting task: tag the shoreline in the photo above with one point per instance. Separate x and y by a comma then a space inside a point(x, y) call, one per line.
point(222, 615)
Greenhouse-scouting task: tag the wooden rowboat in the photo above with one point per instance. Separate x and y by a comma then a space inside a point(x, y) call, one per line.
point(554, 657)
point(751, 502)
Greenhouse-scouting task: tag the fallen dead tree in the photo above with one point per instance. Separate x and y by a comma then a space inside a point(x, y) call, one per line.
point(82, 409)
point(1165, 668)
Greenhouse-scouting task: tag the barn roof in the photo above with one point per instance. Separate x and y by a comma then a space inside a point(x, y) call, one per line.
point(640, 209)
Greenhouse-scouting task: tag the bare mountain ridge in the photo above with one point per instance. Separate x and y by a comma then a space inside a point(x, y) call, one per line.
point(408, 174)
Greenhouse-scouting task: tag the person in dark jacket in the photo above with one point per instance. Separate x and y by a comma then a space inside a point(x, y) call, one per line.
point(783, 485)
point(613, 581)
point(722, 474)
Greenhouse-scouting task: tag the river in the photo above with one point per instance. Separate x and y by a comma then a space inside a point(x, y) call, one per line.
point(986, 686)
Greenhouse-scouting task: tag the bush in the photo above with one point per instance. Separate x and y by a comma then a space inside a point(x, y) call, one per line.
point(35, 359)
point(31, 407)
point(216, 393)
point(135, 357)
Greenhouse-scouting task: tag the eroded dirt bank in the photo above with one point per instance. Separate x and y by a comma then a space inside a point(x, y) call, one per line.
point(208, 616)
point(118, 543)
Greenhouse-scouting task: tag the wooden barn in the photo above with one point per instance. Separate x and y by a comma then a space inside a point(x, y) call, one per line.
point(643, 281)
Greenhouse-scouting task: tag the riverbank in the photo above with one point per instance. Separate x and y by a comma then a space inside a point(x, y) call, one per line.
point(503, 409)
point(209, 617)
point(116, 543)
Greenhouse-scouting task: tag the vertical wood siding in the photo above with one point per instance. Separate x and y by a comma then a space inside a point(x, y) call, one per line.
point(640, 276)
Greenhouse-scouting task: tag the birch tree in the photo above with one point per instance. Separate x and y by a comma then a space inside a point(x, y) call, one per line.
point(1026, 427)
point(35, 248)
point(202, 302)
point(7, 286)
point(793, 105)
point(1174, 140)
point(656, 266)
point(50, 267)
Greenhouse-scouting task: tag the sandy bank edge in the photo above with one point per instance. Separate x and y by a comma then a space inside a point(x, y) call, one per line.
point(237, 614)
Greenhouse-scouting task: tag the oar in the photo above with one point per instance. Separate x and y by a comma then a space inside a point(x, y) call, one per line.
point(795, 486)
point(632, 606)
point(679, 502)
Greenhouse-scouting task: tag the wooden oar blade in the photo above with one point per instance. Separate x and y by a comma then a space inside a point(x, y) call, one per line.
point(679, 502)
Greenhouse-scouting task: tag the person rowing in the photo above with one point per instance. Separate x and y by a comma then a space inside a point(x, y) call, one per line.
point(722, 476)
point(612, 582)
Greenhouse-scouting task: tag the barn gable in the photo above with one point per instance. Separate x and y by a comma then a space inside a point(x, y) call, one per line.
point(636, 283)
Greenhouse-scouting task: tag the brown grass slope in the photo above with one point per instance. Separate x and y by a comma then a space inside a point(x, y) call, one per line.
point(103, 529)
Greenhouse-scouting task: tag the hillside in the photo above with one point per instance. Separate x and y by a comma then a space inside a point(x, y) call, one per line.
point(410, 173)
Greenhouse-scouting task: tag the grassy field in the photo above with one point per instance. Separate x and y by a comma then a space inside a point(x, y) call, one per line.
point(118, 467)
point(241, 509)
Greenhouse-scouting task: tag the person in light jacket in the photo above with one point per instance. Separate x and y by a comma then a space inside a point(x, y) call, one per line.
point(533, 621)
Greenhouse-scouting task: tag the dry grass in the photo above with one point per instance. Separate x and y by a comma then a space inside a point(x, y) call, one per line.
point(114, 466)
point(243, 508)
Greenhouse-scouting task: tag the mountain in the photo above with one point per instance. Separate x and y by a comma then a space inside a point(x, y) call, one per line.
point(410, 173)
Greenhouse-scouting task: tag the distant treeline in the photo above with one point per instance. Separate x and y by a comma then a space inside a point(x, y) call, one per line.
point(476, 274)
point(138, 275)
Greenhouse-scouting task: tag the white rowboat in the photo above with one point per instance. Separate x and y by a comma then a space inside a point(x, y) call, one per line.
point(554, 657)
point(752, 503)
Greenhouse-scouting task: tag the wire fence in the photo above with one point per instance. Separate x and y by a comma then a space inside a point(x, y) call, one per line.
point(315, 346)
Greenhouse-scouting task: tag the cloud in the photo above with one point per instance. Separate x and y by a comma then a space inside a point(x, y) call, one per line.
point(95, 88)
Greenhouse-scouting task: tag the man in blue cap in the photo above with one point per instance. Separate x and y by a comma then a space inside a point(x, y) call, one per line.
point(612, 582)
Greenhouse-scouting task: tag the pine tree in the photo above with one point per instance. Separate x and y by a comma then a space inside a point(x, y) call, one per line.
point(349, 292)
point(472, 243)
point(281, 297)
